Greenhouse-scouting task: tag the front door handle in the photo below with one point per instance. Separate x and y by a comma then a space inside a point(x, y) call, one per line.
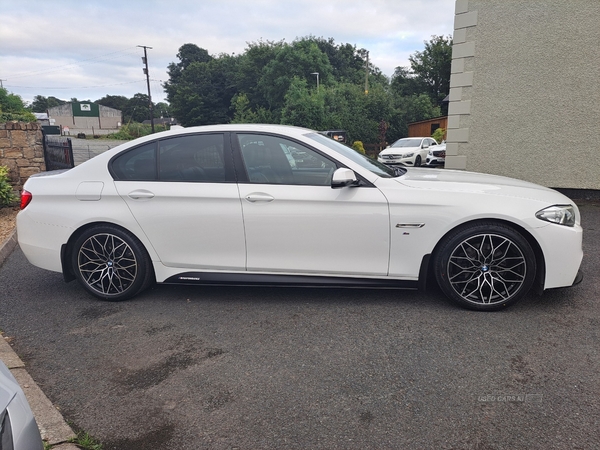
point(140, 194)
point(259, 197)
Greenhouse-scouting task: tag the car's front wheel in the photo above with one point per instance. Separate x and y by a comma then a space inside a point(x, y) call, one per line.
point(418, 161)
point(110, 263)
point(485, 266)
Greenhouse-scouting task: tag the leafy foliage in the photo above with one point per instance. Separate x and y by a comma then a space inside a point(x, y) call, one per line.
point(275, 82)
point(13, 108)
point(136, 108)
point(432, 66)
point(359, 147)
point(133, 131)
point(438, 134)
point(41, 104)
point(7, 194)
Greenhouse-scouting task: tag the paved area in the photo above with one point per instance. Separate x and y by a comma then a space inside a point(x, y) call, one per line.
point(53, 428)
point(190, 368)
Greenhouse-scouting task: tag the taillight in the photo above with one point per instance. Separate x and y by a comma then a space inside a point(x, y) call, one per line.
point(25, 199)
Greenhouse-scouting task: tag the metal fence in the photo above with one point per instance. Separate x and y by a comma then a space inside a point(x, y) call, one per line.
point(58, 152)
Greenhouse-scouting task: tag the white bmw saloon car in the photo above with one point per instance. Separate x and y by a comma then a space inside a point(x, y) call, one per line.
point(227, 204)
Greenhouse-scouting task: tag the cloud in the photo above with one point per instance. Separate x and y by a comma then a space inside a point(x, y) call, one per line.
point(69, 48)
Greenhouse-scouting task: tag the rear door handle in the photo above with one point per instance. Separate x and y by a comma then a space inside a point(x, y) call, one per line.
point(140, 194)
point(259, 197)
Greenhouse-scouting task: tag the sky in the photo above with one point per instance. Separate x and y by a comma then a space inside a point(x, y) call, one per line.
point(87, 49)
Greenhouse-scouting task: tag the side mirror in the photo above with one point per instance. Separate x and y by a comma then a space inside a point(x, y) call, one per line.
point(425, 145)
point(343, 177)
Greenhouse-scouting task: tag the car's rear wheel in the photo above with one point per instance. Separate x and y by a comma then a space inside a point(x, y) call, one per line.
point(110, 263)
point(485, 266)
point(418, 161)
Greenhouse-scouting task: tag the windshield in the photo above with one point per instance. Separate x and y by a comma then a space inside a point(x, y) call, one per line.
point(364, 161)
point(407, 143)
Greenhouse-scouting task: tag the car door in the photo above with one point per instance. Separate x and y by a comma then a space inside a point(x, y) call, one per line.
point(296, 223)
point(182, 192)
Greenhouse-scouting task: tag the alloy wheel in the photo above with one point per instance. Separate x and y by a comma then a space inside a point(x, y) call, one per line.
point(107, 264)
point(487, 269)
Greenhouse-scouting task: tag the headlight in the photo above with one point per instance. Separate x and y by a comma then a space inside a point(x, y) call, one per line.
point(408, 155)
point(560, 214)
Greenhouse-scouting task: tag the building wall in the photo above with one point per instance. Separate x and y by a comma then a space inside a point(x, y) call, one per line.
point(107, 120)
point(423, 128)
point(525, 91)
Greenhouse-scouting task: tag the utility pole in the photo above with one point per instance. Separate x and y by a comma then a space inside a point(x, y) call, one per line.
point(145, 61)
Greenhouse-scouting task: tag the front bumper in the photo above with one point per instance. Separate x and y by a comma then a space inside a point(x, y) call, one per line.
point(395, 162)
point(435, 161)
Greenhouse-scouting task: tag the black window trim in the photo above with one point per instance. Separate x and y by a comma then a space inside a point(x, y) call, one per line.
point(240, 167)
point(228, 155)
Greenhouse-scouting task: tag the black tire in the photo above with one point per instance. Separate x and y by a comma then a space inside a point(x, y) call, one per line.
point(418, 161)
point(111, 264)
point(485, 266)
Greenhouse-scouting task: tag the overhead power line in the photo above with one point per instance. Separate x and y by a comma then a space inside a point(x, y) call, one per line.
point(76, 87)
point(107, 57)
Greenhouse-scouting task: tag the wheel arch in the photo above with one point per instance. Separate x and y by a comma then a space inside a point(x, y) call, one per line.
point(426, 270)
point(66, 249)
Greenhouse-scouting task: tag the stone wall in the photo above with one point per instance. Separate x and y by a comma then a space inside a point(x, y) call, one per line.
point(21, 150)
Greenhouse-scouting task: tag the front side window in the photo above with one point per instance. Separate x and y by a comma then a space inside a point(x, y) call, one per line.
point(277, 160)
point(364, 161)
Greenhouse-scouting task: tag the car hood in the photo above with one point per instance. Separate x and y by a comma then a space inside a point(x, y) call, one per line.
point(459, 181)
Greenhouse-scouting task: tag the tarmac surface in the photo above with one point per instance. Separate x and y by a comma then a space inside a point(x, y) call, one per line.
point(188, 367)
point(54, 429)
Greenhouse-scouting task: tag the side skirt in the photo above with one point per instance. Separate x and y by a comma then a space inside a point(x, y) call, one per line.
point(241, 279)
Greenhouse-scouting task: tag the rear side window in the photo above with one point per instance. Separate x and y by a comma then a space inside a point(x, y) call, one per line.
point(182, 158)
point(138, 164)
point(192, 158)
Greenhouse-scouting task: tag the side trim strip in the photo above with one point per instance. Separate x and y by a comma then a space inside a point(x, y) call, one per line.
point(244, 279)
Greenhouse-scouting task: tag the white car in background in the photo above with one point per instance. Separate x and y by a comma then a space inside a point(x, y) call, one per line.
point(407, 151)
point(224, 204)
point(436, 156)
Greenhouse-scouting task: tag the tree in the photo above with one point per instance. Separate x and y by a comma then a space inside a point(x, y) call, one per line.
point(137, 109)
point(41, 104)
point(251, 66)
point(187, 54)
point(119, 102)
point(432, 66)
point(242, 113)
point(410, 109)
point(12, 107)
point(162, 109)
point(406, 83)
point(300, 59)
point(200, 91)
point(303, 107)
